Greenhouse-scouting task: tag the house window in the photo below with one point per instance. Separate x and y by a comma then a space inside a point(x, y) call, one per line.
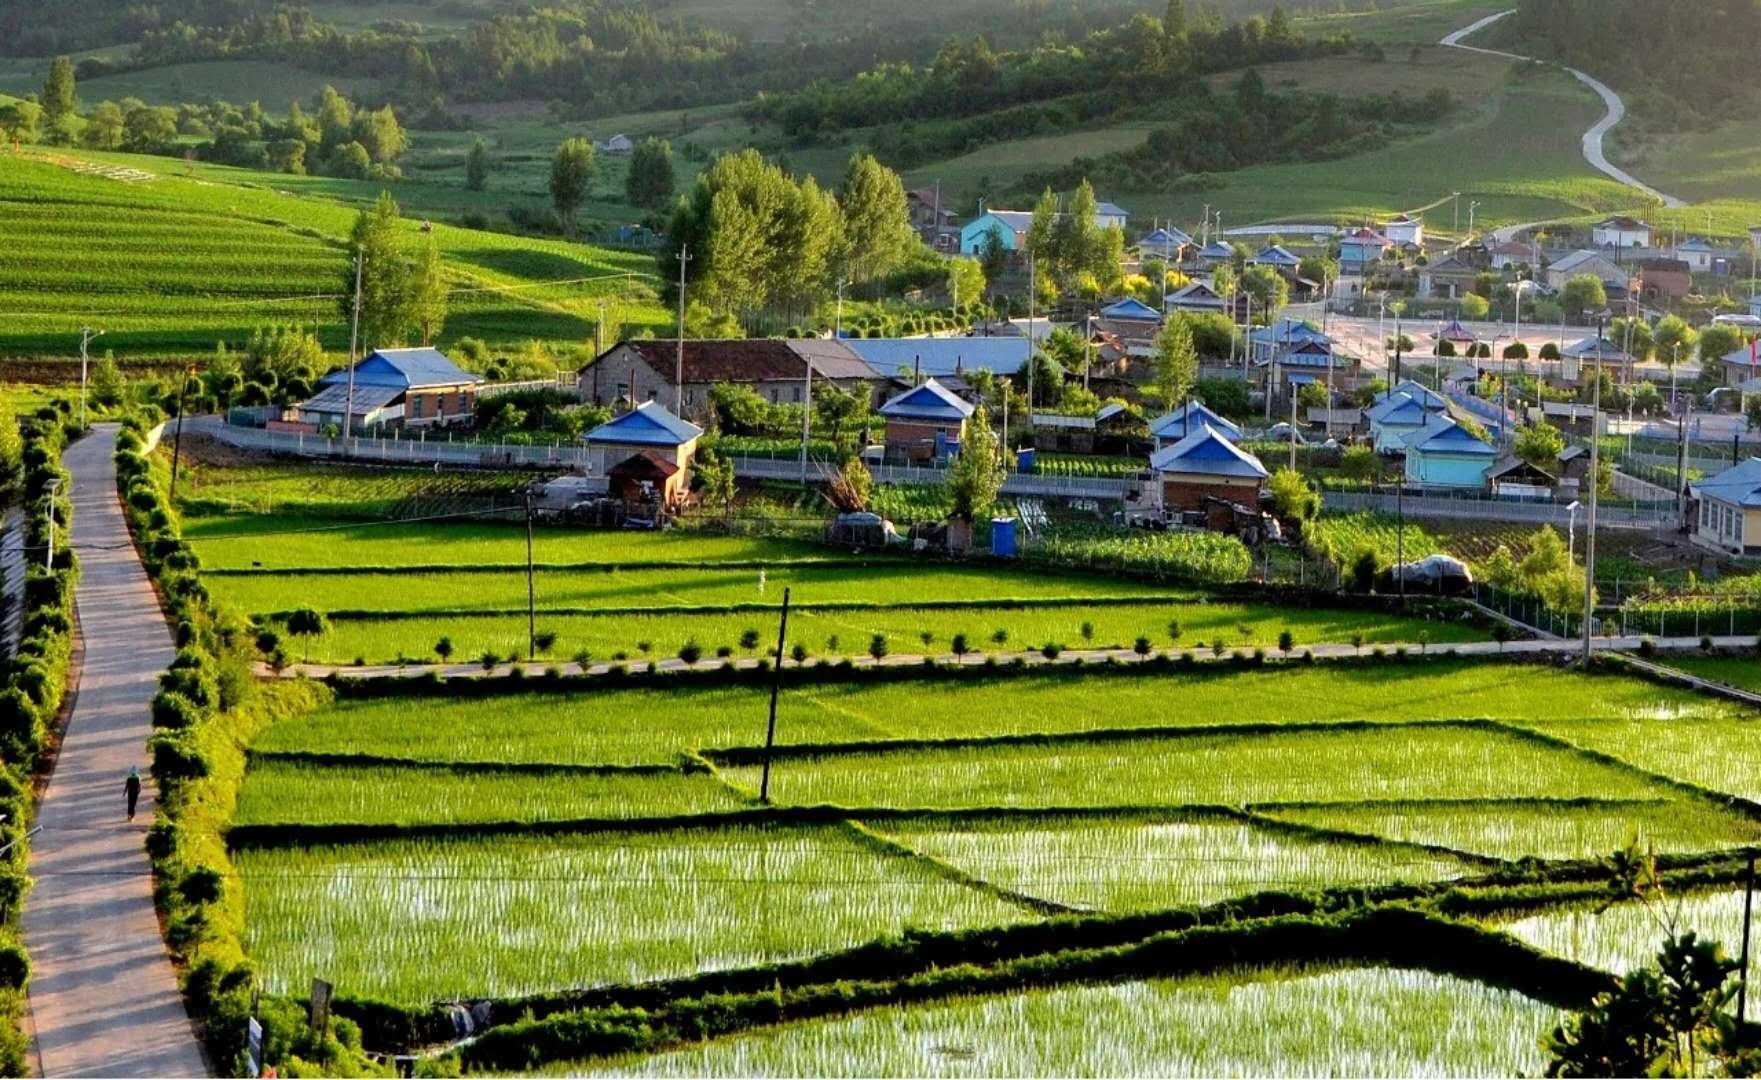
point(795, 394)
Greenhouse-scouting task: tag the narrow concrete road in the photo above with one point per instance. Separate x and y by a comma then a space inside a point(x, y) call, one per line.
point(1593, 152)
point(104, 998)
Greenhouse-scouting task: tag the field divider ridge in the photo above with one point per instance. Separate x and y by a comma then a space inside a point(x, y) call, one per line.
point(946, 870)
point(324, 760)
point(1748, 808)
point(1002, 603)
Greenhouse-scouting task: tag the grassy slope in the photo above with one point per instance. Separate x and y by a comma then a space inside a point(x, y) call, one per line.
point(187, 260)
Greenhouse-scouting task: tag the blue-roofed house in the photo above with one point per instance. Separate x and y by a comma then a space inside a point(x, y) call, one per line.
point(1111, 216)
point(1205, 466)
point(941, 358)
point(648, 445)
point(1430, 399)
point(1010, 227)
point(1444, 454)
point(1276, 256)
point(1195, 297)
point(1361, 251)
point(416, 387)
point(1727, 514)
point(1394, 419)
point(925, 423)
point(1130, 319)
point(1216, 253)
point(1166, 243)
point(1697, 253)
point(1188, 418)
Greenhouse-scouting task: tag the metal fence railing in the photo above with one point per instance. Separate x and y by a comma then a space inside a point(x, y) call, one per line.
point(1478, 505)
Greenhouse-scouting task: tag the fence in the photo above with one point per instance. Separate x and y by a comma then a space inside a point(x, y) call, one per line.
point(1069, 487)
point(402, 451)
point(1475, 505)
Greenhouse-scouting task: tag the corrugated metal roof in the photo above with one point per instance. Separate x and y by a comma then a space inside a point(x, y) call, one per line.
point(368, 397)
point(1188, 417)
point(1205, 452)
point(405, 369)
point(1441, 435)
point(942, 356)
point(931, 401)
point(1131, 308)
point(648, 424)
point(1740, 484)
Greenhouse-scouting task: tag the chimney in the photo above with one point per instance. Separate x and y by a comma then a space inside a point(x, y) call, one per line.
point(917, 370)
point(959, 365)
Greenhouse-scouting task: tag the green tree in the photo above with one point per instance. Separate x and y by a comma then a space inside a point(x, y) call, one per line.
point(1584, 293)
point(1269, 290)
point(965, 282)
point(59, 100)
point(104, 127)
point(1292, 497)
point(876, 220)
point(1043, 236)
point(976, 476)
point(378, 131)
point(1673, 339)
point(571, 179)
point(993, 255)
point(477, 167)
point(718, 484)
point(1175, 364)
point(306, 624)
point(107, 385)
point(19, 121)
point(649, 184)
point(336, 118)
point(1540, 445)
point(1633, 336)
point(1474, 306)
point(1718, 341)
point(427, 299)
point(387, 316)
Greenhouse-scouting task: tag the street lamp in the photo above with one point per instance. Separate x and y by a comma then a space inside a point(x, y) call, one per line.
point(49, 490)
point(1571, 532)
point(86, 335)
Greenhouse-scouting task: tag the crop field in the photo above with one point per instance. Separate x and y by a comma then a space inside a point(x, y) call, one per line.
point(1623, 936)
point(1745, 674)
point(171, 263)
point(1364, 1022)
point(1120, 864)
point(1349, 533)
point(1723, 756)
point(625, 727)
point(406, 920)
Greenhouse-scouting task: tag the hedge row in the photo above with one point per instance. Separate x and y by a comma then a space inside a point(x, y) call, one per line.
point(206, 712)
point(33, 684)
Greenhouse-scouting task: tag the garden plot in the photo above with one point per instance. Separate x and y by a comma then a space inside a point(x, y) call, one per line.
point(279, 792)
point(1626, 936)
point(642, 726)
point(1116, 864)
point(1361, 1022)
point(1542, 829)
point(1394, 762)
point(425, 920)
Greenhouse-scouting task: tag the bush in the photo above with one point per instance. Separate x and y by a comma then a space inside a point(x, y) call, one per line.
point(1051, 650)
point(957, 645)
point(171, 711)
point(690, 652)
point(15, 966)
point(877, 646)
point(1141, 646)
point(201, 885)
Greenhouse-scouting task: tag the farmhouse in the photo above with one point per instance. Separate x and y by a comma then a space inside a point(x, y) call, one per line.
point(1514, 478)
point(1196, 297)
point(1697, 253)
point(646, 450)
point(1664, 280)
point(1360, 251)
point(925, 423)
point(932, 218)
point(1277, 257)
point(1166, 243)
point(1445, 454)
point(1727, 514)
point(1595, 352)
point(1187, 419)
point(1510, 254)
point(1398, 416)
point(632, 372)
point(1216, 253)
point(1009, 226)
point(1621, 232)
point(413, 388)
point(1131, 320)
point(910, 359)
point(1405, 230)
point(1742, 365)
point(1610, 273)
point(1108, 431)
point(1449, 278)
point(1204, 466)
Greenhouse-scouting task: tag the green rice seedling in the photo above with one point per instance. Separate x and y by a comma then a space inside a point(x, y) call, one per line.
point(423, 920)
point(1413, 762)
point(1626, 936)
point(1542, 830)
point(1128, 864)
point(1721, 754)
point(279, 792)
point(638, 726)
point(1364, 1022)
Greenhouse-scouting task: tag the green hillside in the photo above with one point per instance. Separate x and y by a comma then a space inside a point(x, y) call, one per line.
point(168, 263)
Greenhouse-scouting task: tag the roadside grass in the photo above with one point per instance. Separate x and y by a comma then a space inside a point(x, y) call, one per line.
point(1413, 762)
point(1303, 1022)
point(1547, 830)
point(278, 792)
point(422, 921)
point(1741, 672)
point(639, 726)
point(1117, 864)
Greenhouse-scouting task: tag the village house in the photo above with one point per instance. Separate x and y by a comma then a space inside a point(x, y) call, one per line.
point(1165, 243)
point(1187, 419)
point(1621, 232)
point(1697, 253)
point(1443, 454)
point(392, 388)
point(1725, 514)
point(1449, 278)
point(632, 372)
point(1109, 431)
point(1510, 254)
point(1361, 251)
point(1514, 478)
point(1742, 365)
point(1664, 281)
point(1206, 472)
point(1398, 414)
point(1594, 353)
point(1010, 227)
point(1131, 320)
point(1613, 275)
point(907, 361)
point(1277, 257)
point(619, 144)
point(926, 423)
point(1196, 298)
point(933, 219)
point(1217, 253)
point(1405, 230)
point(645, 452)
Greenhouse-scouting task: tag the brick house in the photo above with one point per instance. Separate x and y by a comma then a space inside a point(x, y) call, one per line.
point(412, 388)
point(647, 446)
point(925, 423)
point(632, 372)
point(1205, 466)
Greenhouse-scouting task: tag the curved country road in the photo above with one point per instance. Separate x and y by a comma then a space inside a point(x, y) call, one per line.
point(1593, 152)
point(103, 995)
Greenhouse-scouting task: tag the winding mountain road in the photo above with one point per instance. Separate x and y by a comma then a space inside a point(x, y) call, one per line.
point(1593, 152)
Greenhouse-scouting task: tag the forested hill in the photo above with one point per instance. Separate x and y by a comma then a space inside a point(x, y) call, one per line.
point(1675, 61)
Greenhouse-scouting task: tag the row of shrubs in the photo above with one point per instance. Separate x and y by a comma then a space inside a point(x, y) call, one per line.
point(33, 684)
point(207, 709)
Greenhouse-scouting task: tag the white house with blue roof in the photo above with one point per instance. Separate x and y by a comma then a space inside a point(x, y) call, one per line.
point(1203, 466)
point(1443, 454)
point(1187, 419)
point(1130, 319)
point(1217, 253)
point(925, 423)
point(1276, 256)
point(1195, 297)
point(649, 445)
point(1399, 412)
point(1727, 517)
point(1166, 243)
point(416, 387)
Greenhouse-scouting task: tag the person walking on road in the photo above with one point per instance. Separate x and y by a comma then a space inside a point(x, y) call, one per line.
point(133, 787)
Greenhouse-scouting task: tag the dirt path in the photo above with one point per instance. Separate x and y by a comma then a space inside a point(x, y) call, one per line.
point(1592, 142)
point(103, 997)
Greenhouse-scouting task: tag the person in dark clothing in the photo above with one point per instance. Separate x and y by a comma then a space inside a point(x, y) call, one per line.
point(133, 787)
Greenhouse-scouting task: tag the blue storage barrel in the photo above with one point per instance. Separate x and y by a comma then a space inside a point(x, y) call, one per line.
point(1024, 459)
point(1003, 537)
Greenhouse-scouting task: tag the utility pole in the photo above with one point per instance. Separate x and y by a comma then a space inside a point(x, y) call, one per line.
point(1457, 227)
point(806, 417)
point(679, 361)
point(85, 340)
point(1292, 431)
point(50, 489)
point(531, 592)
point(348, 405)
point(770, 731)
point(599, 330)
point(1400, 531)
point(1032, 289)
point(1743, 961)
point(1595, 478)
point(177, 438)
